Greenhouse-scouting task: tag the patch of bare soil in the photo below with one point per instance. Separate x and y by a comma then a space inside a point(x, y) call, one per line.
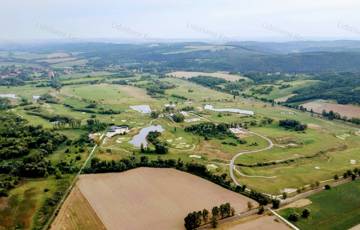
point(319, 106)
point(264, 222)
point(76, 213)
point(298, 204)
point(153, 198)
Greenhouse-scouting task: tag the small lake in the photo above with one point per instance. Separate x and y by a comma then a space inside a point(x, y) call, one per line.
point(230, 110)
point(140, 138)
point(141, 108)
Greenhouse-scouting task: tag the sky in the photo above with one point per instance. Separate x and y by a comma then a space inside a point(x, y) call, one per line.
point(148, 20)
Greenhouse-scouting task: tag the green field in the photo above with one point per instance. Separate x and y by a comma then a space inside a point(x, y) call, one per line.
point(22, 208)
point(334, 209)
point(328, 154)
point(324, 149)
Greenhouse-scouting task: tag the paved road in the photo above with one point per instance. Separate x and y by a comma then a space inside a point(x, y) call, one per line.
point(232, 162)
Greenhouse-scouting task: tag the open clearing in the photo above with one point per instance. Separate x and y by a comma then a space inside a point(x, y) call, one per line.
point(124, 200)
point(223, 75)
point(76, 213)
point(344, 110)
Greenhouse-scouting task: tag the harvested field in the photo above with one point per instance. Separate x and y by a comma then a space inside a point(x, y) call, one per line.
point(223, 75)
point(344, 110)
point(256, 222)
point(124, 200)
point(76, 213)
point(298, 204)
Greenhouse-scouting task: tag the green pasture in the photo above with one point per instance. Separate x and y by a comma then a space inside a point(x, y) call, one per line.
point(334, 209)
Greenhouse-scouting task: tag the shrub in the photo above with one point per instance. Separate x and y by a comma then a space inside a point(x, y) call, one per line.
point(293, 217)
point(305, 213)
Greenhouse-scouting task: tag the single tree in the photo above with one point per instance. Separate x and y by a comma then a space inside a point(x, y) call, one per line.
point(305, 213)
point(214, 222)
point(275, 203)
point(205, 215)
point(215, 212)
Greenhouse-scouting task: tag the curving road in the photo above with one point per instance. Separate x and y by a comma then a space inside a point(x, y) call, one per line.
point(232, 162)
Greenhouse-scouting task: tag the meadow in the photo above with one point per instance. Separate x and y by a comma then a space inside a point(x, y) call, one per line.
point(335, 209)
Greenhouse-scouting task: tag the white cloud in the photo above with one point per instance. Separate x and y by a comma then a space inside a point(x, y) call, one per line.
point(243, 19)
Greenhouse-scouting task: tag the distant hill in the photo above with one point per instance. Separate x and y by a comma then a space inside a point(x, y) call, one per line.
point(304, 56)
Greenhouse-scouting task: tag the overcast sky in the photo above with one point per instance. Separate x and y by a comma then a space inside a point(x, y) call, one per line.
point(180, 19)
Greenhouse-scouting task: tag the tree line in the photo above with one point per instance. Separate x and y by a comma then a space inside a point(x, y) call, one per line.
point(292, 124)
point(103, 166)
point(160, 146)
point(195, 219)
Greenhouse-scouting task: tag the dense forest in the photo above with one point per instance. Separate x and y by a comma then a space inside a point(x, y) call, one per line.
point(342, 87)
point(23, 150)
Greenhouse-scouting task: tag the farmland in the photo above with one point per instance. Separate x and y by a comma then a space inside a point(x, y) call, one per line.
point(113, 197)
point(76, 106)
point(337, 208)
point(77, 213)
point(322, 135)
point(344, 110)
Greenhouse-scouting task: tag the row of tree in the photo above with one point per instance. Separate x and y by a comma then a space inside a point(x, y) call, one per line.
point(153, 138)
point(101, 166)
point(292, 124)
point(195, 219)
point(211, 130)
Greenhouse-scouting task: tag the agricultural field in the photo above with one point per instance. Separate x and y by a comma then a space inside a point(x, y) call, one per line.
point(230, 127)
point(113, 197)
point(318, 106)
point(337, 208)
point(262, 222)
point(76, 213)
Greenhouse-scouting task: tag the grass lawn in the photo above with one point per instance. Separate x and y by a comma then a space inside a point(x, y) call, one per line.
point(335, 209)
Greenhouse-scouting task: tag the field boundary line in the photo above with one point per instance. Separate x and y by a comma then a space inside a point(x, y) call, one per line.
point(284, 220)
point(68, 190)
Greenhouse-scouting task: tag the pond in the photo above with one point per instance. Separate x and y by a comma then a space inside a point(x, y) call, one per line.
point(230, 110)
point(140, 138)
point(141, 108)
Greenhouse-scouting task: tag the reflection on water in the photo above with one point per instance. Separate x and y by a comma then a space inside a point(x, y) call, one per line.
point(141, 137)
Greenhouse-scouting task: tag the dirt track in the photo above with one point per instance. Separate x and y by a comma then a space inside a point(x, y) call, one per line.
point(146, 198)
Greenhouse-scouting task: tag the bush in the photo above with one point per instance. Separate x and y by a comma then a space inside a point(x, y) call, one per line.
point(275, 203)
point(261, 210)
point(327, 187)
point(305, 213)
point(293, 217)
